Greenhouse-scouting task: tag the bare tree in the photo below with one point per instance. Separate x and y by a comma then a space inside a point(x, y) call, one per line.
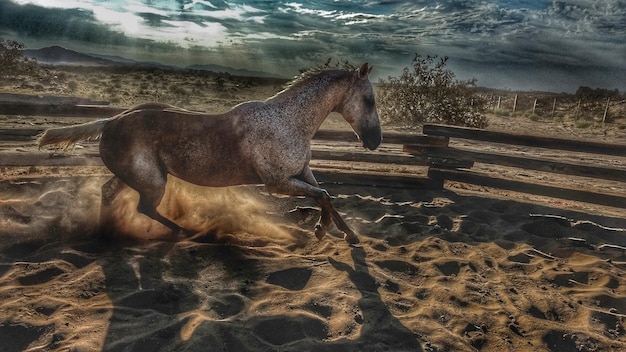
point(12, 60)
point(428, 92)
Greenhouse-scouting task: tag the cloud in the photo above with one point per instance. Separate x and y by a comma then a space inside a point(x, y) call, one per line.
point(38, 22)
point(287, 35)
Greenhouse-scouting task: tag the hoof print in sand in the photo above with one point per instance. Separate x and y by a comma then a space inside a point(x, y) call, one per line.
point(398, 266)
point(319, 309)
point(14, 337)
point(561, 341)
point(293, 279)
point(283, 330)
point(449, 268)
point(168, 300)
point(520, 258)
point(40, 277)
point(228, 306)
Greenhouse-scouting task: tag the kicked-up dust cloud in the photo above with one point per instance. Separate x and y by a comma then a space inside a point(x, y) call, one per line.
point(59, 208)
point(237, 212)
point(70, 209)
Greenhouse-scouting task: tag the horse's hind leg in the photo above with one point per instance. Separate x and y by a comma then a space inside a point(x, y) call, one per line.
point(150, 196)
point(110, 190)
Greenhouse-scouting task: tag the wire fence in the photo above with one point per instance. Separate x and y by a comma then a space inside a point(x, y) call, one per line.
point(557, 106)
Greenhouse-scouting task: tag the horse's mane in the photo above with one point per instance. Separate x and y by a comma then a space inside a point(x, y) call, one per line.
point(307, 73)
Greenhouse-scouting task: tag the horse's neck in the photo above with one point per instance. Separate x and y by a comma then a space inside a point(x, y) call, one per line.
point(309, 103)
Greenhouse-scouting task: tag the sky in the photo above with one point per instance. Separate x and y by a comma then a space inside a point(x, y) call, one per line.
point(513, 44)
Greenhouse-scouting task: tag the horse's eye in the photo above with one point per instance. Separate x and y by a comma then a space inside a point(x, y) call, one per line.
point(369, 102)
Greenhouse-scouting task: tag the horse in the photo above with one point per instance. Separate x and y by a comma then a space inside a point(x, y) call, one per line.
point(256, 142)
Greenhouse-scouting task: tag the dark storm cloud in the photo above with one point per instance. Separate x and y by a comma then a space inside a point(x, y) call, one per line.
point(561, 40)
point(35, 22)
point(154, 20)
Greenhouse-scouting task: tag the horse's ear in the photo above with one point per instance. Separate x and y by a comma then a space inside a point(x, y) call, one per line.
point(364, 70)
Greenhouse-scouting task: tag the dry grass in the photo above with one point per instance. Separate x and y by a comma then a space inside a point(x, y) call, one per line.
point(199, 90)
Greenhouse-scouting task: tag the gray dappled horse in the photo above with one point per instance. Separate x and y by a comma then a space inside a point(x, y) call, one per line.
point(256, 142)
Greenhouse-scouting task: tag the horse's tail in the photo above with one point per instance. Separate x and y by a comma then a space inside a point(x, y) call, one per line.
point(67, 137)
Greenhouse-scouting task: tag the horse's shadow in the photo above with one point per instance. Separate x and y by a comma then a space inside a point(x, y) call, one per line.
point(158, 310)
point(155, 311)
point(377, 319)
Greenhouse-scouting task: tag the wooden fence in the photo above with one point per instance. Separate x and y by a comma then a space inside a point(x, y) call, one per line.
point(338, 159)
point(466, 175)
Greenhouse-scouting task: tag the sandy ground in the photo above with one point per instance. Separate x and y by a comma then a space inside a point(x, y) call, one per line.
point(459, 269)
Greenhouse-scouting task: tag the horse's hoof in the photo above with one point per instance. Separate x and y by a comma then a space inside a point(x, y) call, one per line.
point(351, 239)
point(186, 233)
point(106, 232)
point(320, 231)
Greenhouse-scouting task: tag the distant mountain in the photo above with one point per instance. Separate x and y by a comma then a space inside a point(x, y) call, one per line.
point(56, 55)
point(129, 62)
point(232, 71)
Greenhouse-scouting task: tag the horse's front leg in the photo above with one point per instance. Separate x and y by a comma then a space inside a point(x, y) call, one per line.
point(325, 219)
point(298, 187)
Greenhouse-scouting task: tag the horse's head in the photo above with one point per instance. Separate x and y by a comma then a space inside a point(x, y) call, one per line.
point(359, 109)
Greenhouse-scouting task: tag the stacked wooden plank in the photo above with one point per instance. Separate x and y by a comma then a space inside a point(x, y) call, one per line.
point(461, 173)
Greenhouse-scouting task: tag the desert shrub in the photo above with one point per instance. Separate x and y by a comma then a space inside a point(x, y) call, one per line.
point(219, 83)
point(178, 90)
point(501, 112)
point(61, 76)
point(114, 99)
point(12, 60)
point(72, 85)
point(587, 93)
point(94, 80)
point(559, 117)
point(583, 124)
point(428, 93)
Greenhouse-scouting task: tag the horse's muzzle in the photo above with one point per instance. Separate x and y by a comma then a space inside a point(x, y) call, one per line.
point(371, 137)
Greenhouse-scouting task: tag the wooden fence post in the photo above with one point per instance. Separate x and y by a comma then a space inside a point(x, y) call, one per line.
point(534, 106)
point(553, 107)
point(606, 109)
point(515, 103)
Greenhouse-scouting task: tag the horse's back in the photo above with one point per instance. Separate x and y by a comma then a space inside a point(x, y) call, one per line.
point(199, 148)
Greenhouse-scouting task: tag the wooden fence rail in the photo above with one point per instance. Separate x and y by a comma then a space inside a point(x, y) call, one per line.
point(525, 140)
point(27, 109)
point(465, 175)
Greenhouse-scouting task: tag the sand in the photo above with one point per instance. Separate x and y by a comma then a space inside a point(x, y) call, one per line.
point(435, 271)
point(460, 269)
